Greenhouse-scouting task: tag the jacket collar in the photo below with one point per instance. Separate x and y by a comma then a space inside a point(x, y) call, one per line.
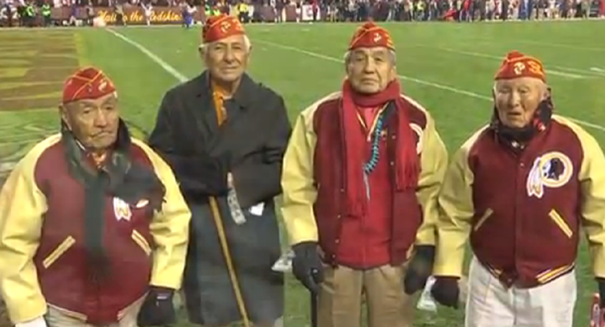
point(244, 95)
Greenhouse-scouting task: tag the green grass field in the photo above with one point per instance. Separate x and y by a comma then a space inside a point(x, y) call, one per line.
point(446, 67)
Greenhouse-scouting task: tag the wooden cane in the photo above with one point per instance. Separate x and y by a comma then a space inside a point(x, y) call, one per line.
point(313, 301)
point(216, 215)
point(313, 310)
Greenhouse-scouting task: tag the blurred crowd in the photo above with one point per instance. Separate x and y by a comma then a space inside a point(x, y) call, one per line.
point(455, 10)
point(22, 12)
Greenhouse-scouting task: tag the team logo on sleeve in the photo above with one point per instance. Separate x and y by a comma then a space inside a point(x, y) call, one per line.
point(552, 170)
point(420, 133)
point(121, 209)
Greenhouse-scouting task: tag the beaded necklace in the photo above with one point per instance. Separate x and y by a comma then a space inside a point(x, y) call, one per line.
point(369, 166)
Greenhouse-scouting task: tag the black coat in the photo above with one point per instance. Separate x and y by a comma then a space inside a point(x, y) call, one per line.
point(250, 144)
point(253, 139)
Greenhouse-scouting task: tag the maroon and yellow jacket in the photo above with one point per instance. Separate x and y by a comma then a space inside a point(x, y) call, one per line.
point(42, 256)
point(314, 197)
point(523, 212)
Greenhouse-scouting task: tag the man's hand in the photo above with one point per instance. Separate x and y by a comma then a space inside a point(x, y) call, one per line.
point(222, 177)
point(446, 291)
point(158, 309)
point(419, 269)
point(204, 175)
point(307, 266)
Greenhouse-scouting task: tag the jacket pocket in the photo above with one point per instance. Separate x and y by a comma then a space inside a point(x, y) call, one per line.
point(484, 217)
point(58, 252)
point(141, 241)
point(560, 222)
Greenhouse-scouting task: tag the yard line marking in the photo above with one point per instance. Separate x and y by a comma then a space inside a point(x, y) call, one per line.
point(564, 45)
point(488, 56)
point(580, 71)
point(26, 111)
point(169, 69)
point(182, 78)
point(590, 72)
point(7, 166)
point(415, 80)
point(598, 70)
point(548, 44)
point(403, 77)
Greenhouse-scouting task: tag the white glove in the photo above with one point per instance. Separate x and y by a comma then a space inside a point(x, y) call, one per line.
point(38, 322)
point(426, 302)
point(284, 263)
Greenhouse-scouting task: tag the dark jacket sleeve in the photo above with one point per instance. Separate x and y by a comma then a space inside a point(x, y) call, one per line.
point(263, 183)
point(197, 175)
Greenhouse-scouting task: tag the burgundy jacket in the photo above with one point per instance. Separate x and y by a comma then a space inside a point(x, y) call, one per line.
point(44, 258)
point(523, 211)
point(313, 182)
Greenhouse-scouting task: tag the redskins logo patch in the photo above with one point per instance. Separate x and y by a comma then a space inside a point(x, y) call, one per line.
point(550, 170)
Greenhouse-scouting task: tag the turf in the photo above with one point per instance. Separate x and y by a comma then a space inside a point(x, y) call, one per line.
point(447, 67)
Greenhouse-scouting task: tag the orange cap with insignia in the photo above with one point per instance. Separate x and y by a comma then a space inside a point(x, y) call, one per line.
point(370, 35)
point(220, 27)
point(516, 64)
point(87, 83)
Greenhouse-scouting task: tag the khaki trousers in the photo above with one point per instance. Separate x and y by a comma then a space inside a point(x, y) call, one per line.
point(278, 323)
point(56, 317)
point(4, 321)
point(343, 290)
point(489, 303)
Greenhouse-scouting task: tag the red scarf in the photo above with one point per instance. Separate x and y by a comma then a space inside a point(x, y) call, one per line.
point(406, 159)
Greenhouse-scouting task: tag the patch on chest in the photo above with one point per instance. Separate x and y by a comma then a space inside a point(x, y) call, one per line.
point(552, 170)
point(121, 209)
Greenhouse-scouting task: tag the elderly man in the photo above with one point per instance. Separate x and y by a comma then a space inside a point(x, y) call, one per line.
point(225, 135)
point(522, 187)
point(360, 180)
point(91, 221)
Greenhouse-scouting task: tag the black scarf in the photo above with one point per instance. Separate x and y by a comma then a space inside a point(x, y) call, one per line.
point(118, 177)
point(517, 138)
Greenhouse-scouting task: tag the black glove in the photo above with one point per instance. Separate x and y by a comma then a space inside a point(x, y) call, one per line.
point(307, 266)
point(206, 176)
point(222, 168)
point(601, 282)
point(419, 269)
point(446, 291)
point(158, 309)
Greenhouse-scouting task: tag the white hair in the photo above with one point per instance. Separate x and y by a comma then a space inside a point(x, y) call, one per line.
point(392, 56)
point(247, 44)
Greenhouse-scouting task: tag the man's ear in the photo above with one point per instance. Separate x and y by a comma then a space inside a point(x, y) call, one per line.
point(494, 91)
point(347, 65)
point(248, 56)
point(547, 92)
point(64, 116)
point(202, 52)
point(393, 73)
